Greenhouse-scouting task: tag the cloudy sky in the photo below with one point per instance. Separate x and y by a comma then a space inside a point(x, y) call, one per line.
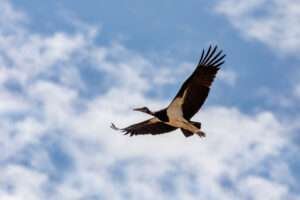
point(69, 69)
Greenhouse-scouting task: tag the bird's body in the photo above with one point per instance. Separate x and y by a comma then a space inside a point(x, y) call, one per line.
point(185, 104)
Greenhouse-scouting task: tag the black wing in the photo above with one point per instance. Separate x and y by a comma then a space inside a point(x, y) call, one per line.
point(152, 126)
point(195, 89)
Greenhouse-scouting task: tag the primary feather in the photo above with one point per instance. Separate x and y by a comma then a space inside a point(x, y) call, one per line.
point(195, 89)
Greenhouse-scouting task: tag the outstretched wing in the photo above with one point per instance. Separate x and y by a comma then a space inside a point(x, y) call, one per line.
point(152, 126)
point(195, 89)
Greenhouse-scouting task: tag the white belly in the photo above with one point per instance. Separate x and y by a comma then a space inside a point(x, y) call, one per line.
point(174, 111)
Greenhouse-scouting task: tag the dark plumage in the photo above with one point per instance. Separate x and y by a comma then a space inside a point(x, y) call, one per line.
point(185, 104)
point(151, 126)
point(198, 84)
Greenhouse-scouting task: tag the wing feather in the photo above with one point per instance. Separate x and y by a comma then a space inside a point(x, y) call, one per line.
point(151, 126)
point(195, 89)
point(209, 56)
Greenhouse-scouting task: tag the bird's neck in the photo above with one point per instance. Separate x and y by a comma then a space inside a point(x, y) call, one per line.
point(162, 115)
point(149, 112)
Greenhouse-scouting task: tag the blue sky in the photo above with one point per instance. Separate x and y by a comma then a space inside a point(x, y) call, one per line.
point(68, 69)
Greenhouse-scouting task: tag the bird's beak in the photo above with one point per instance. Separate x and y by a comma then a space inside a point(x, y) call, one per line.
point(138, 109)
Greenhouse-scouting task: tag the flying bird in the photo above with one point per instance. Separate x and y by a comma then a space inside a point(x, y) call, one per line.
point(185, 104)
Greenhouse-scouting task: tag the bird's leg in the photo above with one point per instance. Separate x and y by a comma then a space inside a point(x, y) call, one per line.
point(197, 124)
point(194, 129)
point(200, 133)
point(184, 124)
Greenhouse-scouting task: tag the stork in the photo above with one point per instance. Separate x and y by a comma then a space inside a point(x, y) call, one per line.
point(185, 104)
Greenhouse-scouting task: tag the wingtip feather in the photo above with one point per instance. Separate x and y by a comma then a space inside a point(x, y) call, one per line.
point(210, 55)
point(217, 61)
point(206, 55)
point(202, 54)
point(114, 127)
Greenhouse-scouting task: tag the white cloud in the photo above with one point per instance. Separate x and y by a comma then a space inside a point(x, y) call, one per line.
point(9, 17)
point(297, 91)
point(258, 188)
point(61, 146)
point(22, 183)
point(55, 100)
point(12, 103)
point(228, 76)
point(273, 22)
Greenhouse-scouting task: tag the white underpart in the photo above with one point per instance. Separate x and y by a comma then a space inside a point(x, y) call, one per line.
point(175, 109)
point(175, 115)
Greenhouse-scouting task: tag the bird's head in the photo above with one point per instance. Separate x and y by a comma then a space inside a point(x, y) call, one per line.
point(143, 109)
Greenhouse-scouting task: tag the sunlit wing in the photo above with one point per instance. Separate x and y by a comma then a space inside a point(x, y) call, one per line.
point(195, 89)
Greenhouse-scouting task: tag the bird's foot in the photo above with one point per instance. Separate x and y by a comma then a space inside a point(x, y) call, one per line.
point(200, 133)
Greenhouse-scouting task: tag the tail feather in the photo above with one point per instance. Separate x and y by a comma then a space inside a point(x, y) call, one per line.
point(186, 133)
